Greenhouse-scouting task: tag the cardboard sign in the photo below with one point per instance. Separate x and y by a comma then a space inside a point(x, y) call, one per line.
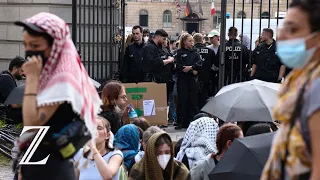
point(149, 99)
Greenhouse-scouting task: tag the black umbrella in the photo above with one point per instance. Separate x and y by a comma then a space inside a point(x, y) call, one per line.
point(16, 95)
point(244, 159)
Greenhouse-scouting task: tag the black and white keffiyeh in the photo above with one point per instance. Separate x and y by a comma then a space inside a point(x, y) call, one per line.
point(199, 141)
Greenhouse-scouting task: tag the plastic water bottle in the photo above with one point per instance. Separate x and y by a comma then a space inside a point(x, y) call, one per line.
point(132, 113)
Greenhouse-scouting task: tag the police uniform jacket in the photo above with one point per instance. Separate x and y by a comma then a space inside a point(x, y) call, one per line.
point(187, 57)
point(132, 68)
point(268, 63)
point(236, 56)
point(208, 58)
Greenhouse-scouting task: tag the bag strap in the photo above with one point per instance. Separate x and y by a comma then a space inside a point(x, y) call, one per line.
point(295, 115)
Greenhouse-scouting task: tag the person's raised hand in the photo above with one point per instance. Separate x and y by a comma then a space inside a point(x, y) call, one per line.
point(33, 67)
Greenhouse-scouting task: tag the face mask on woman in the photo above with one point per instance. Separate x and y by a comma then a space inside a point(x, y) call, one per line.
point(163, 160)
point(146, 39)
point(294, 53)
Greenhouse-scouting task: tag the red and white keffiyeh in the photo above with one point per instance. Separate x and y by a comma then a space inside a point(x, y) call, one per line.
point(64, 78)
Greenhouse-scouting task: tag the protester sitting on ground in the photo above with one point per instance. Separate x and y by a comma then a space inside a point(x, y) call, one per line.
point(106, 161)
point(158, 162)
point(114, 107)
point(199, 141)
point(127, 140)
point(259, 128)
point(146, 136)
point(142, 123)
point(225, 137)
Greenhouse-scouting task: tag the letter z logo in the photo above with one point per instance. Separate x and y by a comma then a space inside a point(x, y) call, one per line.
point(34, 145)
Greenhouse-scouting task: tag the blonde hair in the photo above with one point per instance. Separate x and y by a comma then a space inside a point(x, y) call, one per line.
point(198, 38)
point(182, 39)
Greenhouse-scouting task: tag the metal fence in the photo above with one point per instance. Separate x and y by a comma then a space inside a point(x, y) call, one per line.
point(263, 8)
point(97, 30)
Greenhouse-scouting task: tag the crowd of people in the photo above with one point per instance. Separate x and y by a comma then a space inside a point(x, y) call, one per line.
point(86, 143)
point(190, 66)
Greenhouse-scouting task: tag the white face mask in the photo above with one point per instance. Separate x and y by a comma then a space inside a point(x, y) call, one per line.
point(146, 39)
point(163, 160)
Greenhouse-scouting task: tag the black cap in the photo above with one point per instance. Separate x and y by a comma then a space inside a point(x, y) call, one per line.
point(30, 26)
point(161, 32)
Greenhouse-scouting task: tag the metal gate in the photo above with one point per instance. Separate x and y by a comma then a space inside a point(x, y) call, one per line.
point(267, 10)
point(97, 31)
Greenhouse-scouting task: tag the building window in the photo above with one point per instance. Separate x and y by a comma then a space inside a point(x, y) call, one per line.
point(167, 19)
point(265, 15)
point(143, 18)
point(241, 14)
point(217, 19)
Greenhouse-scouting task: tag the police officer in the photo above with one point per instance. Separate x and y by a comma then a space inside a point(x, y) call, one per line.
point(233, 57)
point(132, 69)
point(266, 65)
point(188, 65)
point(207, 56)
point(157, 64)
point(168, 72)
point(214, 37)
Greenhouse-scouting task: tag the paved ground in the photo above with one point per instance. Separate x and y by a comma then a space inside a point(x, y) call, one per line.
point(7, 174)
point(175, 134)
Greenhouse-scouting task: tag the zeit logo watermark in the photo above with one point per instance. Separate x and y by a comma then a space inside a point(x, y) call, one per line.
point(34, 145)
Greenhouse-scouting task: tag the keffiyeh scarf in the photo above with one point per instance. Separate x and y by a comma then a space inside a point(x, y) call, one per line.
point(64, 78)
point(199, 141)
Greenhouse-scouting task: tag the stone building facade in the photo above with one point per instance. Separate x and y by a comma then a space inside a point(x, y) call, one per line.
point(163, 13)
point(13, 10)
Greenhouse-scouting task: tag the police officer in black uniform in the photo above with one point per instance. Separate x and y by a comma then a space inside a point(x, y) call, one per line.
point(233, 55)
point(132, 69)
point(187, 67)
point(208, 57)
point(266, 65)
point(157, 63)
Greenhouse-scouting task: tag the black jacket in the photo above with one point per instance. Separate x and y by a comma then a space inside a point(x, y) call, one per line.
point(268, 63)
point(208, 58)
point(7, 84)
point(236, 56)
point(132, 68)
point(186, 57)
point(153, 65)
point(114, 120)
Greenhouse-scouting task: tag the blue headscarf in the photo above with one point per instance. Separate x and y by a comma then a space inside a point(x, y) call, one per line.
point(127, 140)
